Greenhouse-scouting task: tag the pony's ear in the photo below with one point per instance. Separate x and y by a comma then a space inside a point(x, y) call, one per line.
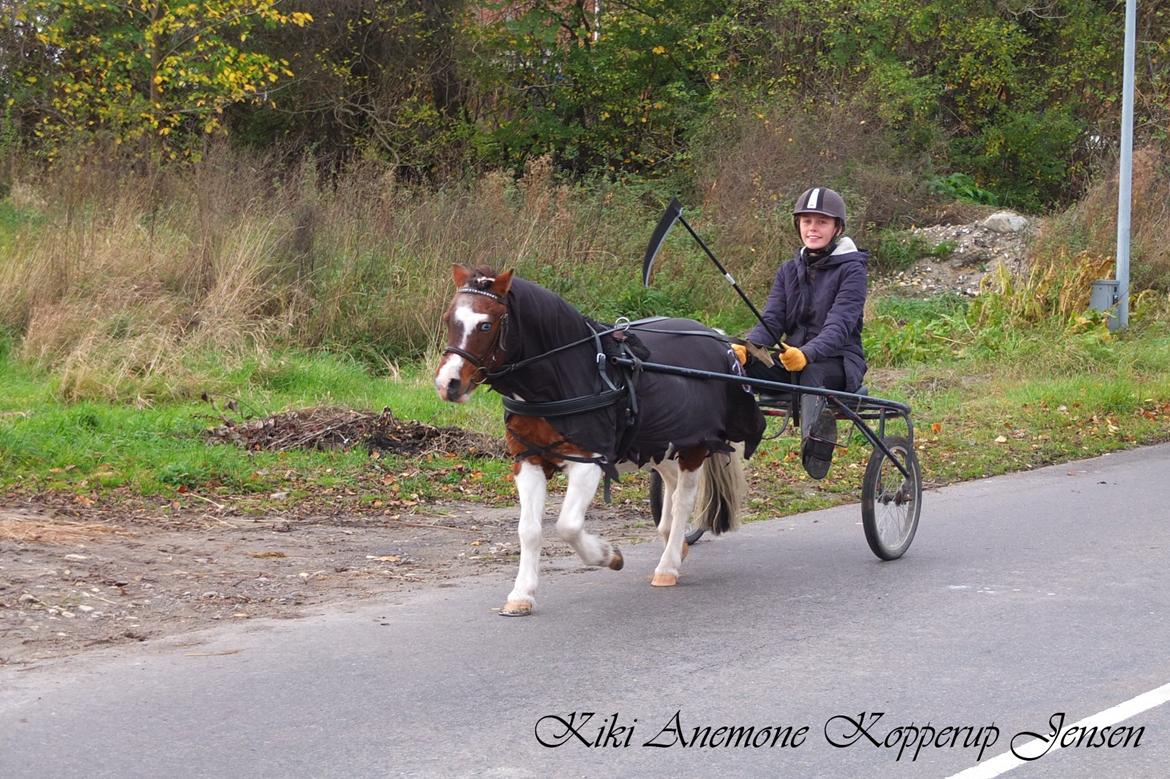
point(461, 273)
point(503, 283)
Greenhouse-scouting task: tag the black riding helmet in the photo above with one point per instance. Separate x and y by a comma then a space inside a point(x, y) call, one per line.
point(820, 200)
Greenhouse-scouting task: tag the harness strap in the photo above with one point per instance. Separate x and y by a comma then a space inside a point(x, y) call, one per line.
point(704, 333)
point(580, 405)
point(566, 407)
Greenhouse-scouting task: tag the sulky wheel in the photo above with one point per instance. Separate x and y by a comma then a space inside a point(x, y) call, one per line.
point(693, 533)
point(891, 502)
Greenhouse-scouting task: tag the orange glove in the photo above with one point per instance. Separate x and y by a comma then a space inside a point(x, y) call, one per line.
point(792, 359)
point(740, 353)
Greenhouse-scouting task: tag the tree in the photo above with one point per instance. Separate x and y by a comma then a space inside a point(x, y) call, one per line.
point(153, 76)
point(373, 77)
point(600, 86)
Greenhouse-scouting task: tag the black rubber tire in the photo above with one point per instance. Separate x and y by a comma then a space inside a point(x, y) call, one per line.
point(890, 502)
point(693, 533)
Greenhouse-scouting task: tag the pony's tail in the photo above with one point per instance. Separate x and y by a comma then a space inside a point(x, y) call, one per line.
point(722, 489)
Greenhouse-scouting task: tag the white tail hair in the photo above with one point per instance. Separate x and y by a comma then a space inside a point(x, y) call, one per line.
point(722, 489)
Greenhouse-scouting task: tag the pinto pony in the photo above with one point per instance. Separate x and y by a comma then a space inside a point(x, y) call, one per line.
point(569, 407)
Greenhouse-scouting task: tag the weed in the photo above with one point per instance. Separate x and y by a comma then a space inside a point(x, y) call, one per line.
point(899, 249)
point(961, 186)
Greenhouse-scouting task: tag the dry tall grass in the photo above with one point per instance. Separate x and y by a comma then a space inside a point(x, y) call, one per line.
point(1091, 225)
point(751, 178)
point(1054, 288)
point(135, 285)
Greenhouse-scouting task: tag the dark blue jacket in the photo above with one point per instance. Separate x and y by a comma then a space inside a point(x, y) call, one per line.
point(820, 310)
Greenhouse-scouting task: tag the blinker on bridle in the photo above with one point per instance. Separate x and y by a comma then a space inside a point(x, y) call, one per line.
point(480, 361)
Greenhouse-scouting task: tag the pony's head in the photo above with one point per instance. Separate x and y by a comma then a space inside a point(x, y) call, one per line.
point(475, 323)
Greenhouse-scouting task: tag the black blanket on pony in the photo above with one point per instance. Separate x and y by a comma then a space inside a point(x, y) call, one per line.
point(673, 412)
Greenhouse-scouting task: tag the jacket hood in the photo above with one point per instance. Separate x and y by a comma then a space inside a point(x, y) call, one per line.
point(846, 251)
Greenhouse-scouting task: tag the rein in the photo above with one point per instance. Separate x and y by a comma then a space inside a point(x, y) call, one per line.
point(594, 336)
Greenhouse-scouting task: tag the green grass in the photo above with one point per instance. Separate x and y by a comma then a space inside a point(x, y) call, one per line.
point(159, 451)
point(12, 221)
point(977, 410)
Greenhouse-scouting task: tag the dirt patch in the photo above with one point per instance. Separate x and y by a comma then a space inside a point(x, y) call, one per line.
point(28, 528)
point(345, 428)
point(67, 585)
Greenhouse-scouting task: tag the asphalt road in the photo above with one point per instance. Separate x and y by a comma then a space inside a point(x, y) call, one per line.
point(1024, 597)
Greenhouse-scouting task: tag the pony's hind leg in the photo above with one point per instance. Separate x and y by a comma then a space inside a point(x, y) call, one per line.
point(583, 480)
point(531, 485)
point(682, 502)
point(668, 470)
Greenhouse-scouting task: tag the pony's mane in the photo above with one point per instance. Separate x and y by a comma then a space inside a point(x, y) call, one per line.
point(482, 277)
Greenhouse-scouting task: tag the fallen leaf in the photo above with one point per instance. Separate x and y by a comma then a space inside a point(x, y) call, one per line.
point(266, 554)
point(999, 439)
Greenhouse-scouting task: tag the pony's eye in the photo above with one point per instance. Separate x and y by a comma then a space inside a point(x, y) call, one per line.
point(485, 327)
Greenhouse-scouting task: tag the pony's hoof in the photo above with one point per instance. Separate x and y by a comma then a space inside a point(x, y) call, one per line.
point(516, 608)
point(616, 561)
point(664, 580)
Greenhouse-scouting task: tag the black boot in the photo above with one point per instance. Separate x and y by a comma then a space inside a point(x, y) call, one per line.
point(818, 435)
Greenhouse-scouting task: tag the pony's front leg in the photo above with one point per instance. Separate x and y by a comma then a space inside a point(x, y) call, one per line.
point(532, 486)
point(583, 480)
point(681, 503)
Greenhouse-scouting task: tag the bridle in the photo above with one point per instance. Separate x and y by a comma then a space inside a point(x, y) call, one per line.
point(491, 356)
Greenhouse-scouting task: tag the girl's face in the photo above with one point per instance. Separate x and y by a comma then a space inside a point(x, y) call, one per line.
point(817, 231)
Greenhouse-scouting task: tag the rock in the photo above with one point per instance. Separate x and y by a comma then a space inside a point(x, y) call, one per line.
point(1006, 222)
point(962, 256)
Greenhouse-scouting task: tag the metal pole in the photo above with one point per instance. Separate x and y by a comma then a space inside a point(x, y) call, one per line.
point(731, 280)
point(1125, 174)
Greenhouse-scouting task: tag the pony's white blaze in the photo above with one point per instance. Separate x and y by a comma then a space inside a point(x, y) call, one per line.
point(468, 318)
point(452, 364)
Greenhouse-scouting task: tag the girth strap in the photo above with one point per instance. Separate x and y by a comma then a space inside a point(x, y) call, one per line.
point(551, 451)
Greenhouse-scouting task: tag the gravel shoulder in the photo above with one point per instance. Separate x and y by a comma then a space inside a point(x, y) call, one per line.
point(71, 583)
